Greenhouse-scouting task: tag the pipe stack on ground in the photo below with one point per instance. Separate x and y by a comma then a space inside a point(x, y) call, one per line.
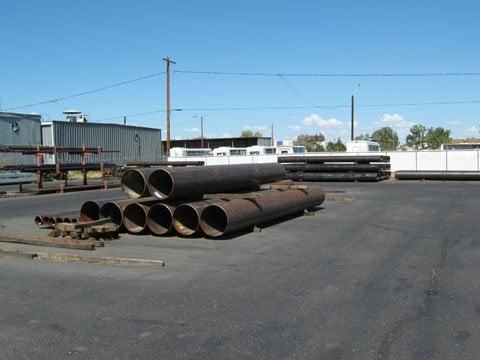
point(336, 168)
point(162, 200)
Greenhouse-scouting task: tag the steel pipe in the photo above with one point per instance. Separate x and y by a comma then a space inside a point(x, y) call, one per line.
point(309, 176)
point(221, 219)
point(437, 175)
point(134, 182)
point(168, 183)
point(90, 210)
point(135, 216)
point(186, 217)
point(115, 209)
point(159, 218)
point(364, 168)
point(328, 159)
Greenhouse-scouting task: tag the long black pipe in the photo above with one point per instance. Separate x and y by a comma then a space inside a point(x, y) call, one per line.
point(223, 218)
point(90, 210)
point(167, 183)
point(309, 176)
point(364, 168)
point(320, 159)
point(437, 175)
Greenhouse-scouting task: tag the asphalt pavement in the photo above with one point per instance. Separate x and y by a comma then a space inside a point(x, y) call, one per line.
point(386, 270)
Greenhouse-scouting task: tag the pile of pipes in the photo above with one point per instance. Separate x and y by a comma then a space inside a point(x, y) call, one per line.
point(165, 200)
point(52, 220)
point(336, 168)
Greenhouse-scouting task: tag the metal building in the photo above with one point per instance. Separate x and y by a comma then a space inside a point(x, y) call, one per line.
point(133, 143)
point(19, 129)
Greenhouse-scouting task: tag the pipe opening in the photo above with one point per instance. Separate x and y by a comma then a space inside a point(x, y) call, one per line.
point(133, 184)
point(112, 211)
point(134, 218)
point(51, 220)
point(159, 219)
point(74, 220)
point(66, 220)
point(185, 220)
point(214, 220)
point(45, 220)
point(90, 211)
point(58, 219)
point(160, 184)
point(38, 220)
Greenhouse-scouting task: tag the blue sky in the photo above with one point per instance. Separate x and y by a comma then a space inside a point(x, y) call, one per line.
point(52, 48)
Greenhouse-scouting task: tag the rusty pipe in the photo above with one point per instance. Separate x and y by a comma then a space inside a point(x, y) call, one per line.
point(159, 218)
point(166, 183)
point(186, 217)
point(90, 210)
point(115, 209)
point(238, 214)
point(134, 182)
point(135, 215)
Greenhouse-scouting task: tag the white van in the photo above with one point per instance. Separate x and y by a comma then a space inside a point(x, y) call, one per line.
point(363, 146)
point(185, 152)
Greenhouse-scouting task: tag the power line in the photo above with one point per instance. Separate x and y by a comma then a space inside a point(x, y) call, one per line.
point(86, 92)
point(293, 107)
point(327, 74)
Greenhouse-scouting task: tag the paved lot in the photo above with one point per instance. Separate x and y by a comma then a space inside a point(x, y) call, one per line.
point(388, 271)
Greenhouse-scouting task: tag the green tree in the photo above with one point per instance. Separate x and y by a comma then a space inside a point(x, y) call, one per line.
point(363, 137)
point(386, 137)
point(312, 143)
point(336, 146)
point(437, 136)
point(250, 133)
point(416, 138)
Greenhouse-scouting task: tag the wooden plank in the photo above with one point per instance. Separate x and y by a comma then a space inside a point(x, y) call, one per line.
point(46, 241)
point(104, 260)
point(81, 225)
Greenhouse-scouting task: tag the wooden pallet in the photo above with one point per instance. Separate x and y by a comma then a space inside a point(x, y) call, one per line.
point(98, 229)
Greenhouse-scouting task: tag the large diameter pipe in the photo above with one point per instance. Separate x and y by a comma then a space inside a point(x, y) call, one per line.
point(90, 210)
point(159, 218)
point(135, 216)
point(221, 219)
point(115, 209)
point(183, 182)
point(134, 182)
point(186, 217)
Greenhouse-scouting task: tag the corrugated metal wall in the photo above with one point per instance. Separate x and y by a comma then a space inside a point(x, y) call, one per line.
point(19, 129)
point(109, 137)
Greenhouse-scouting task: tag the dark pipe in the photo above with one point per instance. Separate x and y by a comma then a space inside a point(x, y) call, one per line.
point(38, 220)
point(363, 168)
point(90, 210)
point(238, 214)
point(186, 217)
point(134, 182)
point(114, 209)
point(167, 183)
point(339, 158)
point(308, 176)
point(135, 216)
point(159, 218)
point(437, 175)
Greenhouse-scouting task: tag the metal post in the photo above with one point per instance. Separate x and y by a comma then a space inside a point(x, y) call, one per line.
point(271, 139)
point(201, 131)
point(168, 61)
point(353, 117)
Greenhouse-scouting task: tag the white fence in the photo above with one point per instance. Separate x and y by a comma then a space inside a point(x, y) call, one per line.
point(454, 160)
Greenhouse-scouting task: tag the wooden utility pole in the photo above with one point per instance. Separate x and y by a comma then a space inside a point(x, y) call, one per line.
point(271, 139)
point(168, 61)
point(353, 117)
point(201, 131)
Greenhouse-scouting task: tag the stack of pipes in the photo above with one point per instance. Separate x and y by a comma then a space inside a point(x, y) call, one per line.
point(336, 168)
point(163, 200)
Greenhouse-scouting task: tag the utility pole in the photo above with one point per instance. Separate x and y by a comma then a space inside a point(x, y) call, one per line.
point(353, 117)
point(271, 139)
point(168, 61)
point(124, 120)
point(201, 131)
